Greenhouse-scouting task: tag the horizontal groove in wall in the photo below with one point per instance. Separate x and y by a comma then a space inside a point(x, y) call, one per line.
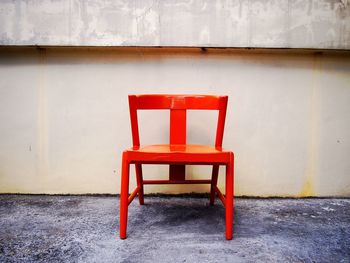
point(215, 51)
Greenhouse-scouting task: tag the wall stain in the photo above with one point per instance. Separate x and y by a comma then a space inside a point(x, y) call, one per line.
point(308, 188)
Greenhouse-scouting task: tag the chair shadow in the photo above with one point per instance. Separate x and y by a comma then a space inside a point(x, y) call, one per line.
point(179, 216)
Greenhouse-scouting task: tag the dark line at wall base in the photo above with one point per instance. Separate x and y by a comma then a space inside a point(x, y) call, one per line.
point(185, 195)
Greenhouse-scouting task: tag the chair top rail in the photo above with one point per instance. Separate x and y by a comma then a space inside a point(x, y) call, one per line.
point(177, 102)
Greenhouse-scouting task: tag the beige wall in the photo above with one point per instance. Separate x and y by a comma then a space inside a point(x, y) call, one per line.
point(64, 117)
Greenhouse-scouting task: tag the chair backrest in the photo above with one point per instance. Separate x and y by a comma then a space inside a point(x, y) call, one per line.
point(177, 104)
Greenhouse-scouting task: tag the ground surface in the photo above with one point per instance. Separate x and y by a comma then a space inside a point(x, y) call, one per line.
point(172, 229)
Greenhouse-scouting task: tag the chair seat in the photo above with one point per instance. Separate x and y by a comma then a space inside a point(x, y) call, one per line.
point(178, 153)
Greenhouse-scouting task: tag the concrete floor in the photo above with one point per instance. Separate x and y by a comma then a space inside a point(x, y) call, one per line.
point(172, 229)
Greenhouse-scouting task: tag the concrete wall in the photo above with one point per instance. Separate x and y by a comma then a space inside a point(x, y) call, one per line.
point(64, 117)
point(323, 24)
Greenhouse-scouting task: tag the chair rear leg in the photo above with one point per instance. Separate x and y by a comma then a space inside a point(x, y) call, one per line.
point(214, 181)
point(229, 198)
point(124, 195)
point(139, 179)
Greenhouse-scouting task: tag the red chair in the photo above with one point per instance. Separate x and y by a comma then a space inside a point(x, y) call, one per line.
point(177, 154)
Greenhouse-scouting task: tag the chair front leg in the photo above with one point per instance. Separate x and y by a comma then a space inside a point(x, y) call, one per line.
point(124, 194)
point(229, 198)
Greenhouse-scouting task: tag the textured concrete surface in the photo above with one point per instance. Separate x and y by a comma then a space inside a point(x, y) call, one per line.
point(220, 23)
point(172, 229)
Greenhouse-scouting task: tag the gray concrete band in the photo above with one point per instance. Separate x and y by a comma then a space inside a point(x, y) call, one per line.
point(321, 24)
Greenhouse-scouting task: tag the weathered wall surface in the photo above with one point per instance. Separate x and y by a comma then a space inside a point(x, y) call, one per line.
point(64, 117)
point(320, 24)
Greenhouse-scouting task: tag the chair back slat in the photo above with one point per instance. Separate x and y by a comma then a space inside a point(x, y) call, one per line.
point(177, 127)
point(177, 136)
